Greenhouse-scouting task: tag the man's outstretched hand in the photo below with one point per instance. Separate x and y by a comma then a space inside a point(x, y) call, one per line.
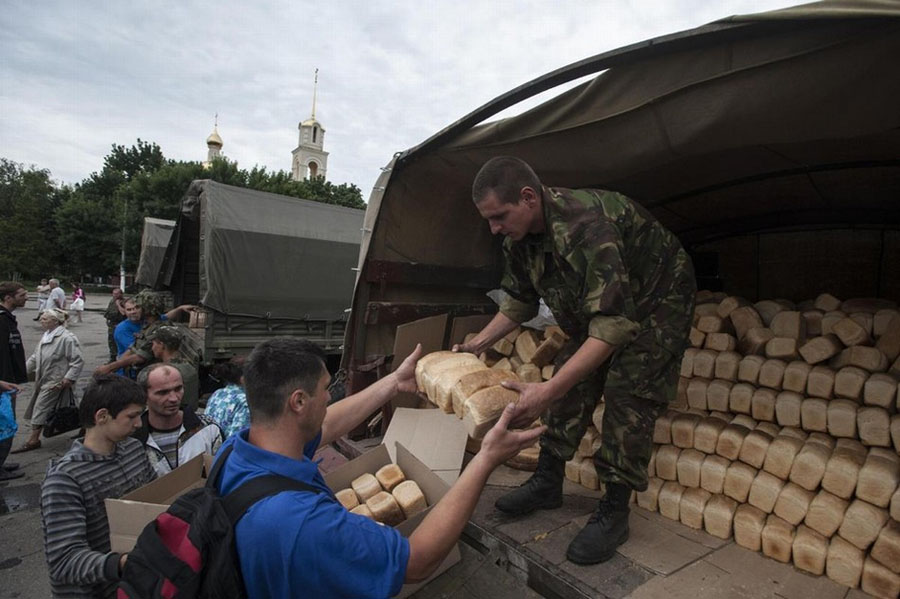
point(501, 443)
point(406, 372)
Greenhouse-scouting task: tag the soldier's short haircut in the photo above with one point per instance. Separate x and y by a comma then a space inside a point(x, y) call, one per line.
point(110, 391)
point(505, 176)
point(9, 288)
point(277, 367)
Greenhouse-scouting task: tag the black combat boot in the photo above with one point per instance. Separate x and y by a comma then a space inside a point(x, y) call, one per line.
point(606, 530)
point(542, 491)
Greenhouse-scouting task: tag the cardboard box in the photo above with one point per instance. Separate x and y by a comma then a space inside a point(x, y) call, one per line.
point(130, 513)
point(437, 439)
point(432, 485)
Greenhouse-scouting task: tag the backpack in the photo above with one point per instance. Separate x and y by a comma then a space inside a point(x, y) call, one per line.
point(189, 550)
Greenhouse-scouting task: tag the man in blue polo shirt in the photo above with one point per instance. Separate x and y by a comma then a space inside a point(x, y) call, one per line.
point(303, 543)
point(126, 330)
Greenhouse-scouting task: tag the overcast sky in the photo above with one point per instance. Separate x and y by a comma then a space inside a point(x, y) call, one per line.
point(78, 76)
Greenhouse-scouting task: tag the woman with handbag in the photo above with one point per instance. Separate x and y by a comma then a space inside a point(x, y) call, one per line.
point(56, 364)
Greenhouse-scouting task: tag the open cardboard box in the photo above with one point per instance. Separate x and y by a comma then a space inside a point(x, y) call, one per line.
point(130, 513)
point(432, 485)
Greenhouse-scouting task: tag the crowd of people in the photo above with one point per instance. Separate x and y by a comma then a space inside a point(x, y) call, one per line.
point(575, 249)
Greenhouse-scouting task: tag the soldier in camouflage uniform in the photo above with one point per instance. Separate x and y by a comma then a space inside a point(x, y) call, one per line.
point(140, 354)
point(622, 287)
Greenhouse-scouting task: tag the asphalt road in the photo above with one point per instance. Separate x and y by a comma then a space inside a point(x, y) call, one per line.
point(23, 570)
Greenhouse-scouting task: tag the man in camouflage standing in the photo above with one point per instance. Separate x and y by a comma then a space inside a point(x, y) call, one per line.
point(622, 287)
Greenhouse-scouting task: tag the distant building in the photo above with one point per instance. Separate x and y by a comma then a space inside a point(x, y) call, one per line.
point(309, 157)
point(214, 145)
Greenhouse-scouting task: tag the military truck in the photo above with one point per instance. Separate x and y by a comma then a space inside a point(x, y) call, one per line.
point(769, 143)
point(260, 265)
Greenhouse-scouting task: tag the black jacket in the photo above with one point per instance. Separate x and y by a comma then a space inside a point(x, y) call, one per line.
point(12, 352)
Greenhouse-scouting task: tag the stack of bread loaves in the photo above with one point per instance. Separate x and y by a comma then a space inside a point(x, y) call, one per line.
point(785, 434)
point(471, 387)
point(386, 497)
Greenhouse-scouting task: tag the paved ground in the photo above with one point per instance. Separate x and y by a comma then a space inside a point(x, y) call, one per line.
point(501, 557)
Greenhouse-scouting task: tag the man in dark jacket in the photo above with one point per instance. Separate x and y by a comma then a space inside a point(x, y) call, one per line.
point(12, 359)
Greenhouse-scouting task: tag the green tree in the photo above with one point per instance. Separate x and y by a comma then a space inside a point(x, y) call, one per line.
point(28, 199)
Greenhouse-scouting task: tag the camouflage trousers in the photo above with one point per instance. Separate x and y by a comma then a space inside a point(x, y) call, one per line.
point(637, 384)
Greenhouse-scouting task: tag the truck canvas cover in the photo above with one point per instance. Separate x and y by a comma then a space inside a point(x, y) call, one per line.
point(154, 241)
point(262, 254)
point(787, 120)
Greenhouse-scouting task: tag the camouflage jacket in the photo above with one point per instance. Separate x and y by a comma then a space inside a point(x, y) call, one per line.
point(604, 266)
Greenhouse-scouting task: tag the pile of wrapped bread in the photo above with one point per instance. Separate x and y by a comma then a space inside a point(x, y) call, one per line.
point(470, 386)
point(386, 496)
point(785, 434)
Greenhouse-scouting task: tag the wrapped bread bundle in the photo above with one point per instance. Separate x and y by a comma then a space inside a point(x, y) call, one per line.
point(780, 455)
point(719, 515)
point(443, 379)
point(693, 502)
point(738, 480)
point(844, 563)
point(826, 512)
point(764, 491)
point(842, 470)
point(410, 498)
point(470, 383)
point(667, 462)
point(649, 499)
point(347, 498)
point(363, 510)
point(730, 440)
point(573, 468)
point(795, 376)
point(390, 476)
point(777, 539)
point(385, 508)
point(717, 394)
point(879, 581)
point(366, 486)
point(483, 409)
point(887, 546)
point(662, 428)
point(688, 467)
point(793, 503)
point(706, 434)
point(862, 523)
point(810, 550)
point(809, 465)
point(427, 361)
point(878, 477)
point(712, 474)
point(670, 500)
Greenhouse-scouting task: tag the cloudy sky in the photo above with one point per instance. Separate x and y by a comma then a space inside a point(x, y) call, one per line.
point(79, 76)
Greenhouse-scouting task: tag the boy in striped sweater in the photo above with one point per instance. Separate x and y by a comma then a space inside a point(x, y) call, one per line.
point(107, 463)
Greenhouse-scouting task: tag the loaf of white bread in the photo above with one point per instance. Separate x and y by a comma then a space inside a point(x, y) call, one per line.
point(389, 497)
point(460, 383)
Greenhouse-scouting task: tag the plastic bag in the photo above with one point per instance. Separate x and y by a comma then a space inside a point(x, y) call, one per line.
point(544, 316)
point(78, 305)
point(8, 426)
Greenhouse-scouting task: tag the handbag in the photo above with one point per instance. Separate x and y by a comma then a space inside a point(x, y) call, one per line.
point(63, 419)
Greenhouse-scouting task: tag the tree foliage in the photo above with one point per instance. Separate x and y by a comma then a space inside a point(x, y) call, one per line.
point(28, 200)
point(79, 230)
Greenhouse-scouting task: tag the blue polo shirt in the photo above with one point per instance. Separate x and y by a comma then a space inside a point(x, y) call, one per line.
point(302, 544)
point(124, 334)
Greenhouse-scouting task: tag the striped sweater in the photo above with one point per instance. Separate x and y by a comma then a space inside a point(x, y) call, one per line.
point(73, 516)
